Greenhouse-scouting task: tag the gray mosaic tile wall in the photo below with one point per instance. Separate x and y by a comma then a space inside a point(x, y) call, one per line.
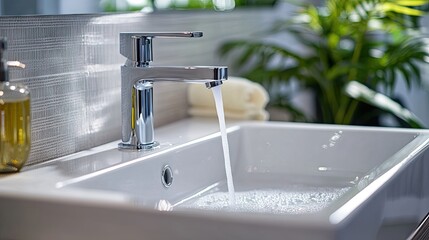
point(73, 69)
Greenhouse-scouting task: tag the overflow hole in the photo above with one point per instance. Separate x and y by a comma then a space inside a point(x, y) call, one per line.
point(167, 176)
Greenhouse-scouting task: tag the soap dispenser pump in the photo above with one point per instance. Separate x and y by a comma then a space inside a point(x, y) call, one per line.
point(15, 133)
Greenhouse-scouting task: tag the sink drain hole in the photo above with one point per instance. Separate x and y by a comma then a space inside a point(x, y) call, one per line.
point(167, 176)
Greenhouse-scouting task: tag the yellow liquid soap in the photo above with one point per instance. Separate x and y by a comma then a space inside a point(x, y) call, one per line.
point(15, 133)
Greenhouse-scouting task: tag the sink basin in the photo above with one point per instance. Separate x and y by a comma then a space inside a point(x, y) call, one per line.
point(292, 181)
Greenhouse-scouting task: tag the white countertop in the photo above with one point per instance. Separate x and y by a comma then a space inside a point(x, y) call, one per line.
point(41, 180)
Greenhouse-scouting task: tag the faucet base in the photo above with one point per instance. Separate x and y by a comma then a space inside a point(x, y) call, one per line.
point(127, 146)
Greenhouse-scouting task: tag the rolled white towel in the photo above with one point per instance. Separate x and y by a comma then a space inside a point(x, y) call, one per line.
point(242, 99)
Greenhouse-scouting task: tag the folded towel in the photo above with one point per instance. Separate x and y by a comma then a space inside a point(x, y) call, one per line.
point(261, 115)
point(242, 99)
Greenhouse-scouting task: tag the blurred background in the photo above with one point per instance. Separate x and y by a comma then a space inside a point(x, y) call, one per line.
point(30, 7)
point(393, 80)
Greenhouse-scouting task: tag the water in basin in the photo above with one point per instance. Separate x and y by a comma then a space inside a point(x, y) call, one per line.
point(298, 200)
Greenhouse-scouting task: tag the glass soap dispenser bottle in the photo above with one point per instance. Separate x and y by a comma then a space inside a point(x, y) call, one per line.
point(15, 130)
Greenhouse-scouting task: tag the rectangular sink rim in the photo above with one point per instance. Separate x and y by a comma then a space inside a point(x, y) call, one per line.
point(399, 160)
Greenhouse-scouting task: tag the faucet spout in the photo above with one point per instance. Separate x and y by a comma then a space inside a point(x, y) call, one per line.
point(194, 74)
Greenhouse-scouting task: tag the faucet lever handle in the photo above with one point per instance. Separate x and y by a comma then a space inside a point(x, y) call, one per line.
point(138, 46)
point(162, 34)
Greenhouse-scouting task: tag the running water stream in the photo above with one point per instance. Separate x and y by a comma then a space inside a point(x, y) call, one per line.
point(217, 94)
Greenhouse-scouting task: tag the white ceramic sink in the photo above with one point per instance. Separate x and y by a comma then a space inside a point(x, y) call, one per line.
point(292, 181)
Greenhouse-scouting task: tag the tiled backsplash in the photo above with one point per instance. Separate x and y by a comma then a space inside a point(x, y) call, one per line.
point(73, 69)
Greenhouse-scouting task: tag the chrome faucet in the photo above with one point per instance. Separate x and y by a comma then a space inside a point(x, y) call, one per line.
point(137, 79)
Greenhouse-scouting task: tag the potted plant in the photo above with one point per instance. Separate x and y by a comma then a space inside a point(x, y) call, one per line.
point(349, 51)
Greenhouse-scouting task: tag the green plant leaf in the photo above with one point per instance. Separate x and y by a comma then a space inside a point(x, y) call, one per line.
point(412, 3)
point(416, 72)
point(338, 70)
point(362, 93)
point(406, 75)
point(386, 7)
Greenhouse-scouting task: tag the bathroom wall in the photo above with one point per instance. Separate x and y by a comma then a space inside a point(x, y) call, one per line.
point(73, 69)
